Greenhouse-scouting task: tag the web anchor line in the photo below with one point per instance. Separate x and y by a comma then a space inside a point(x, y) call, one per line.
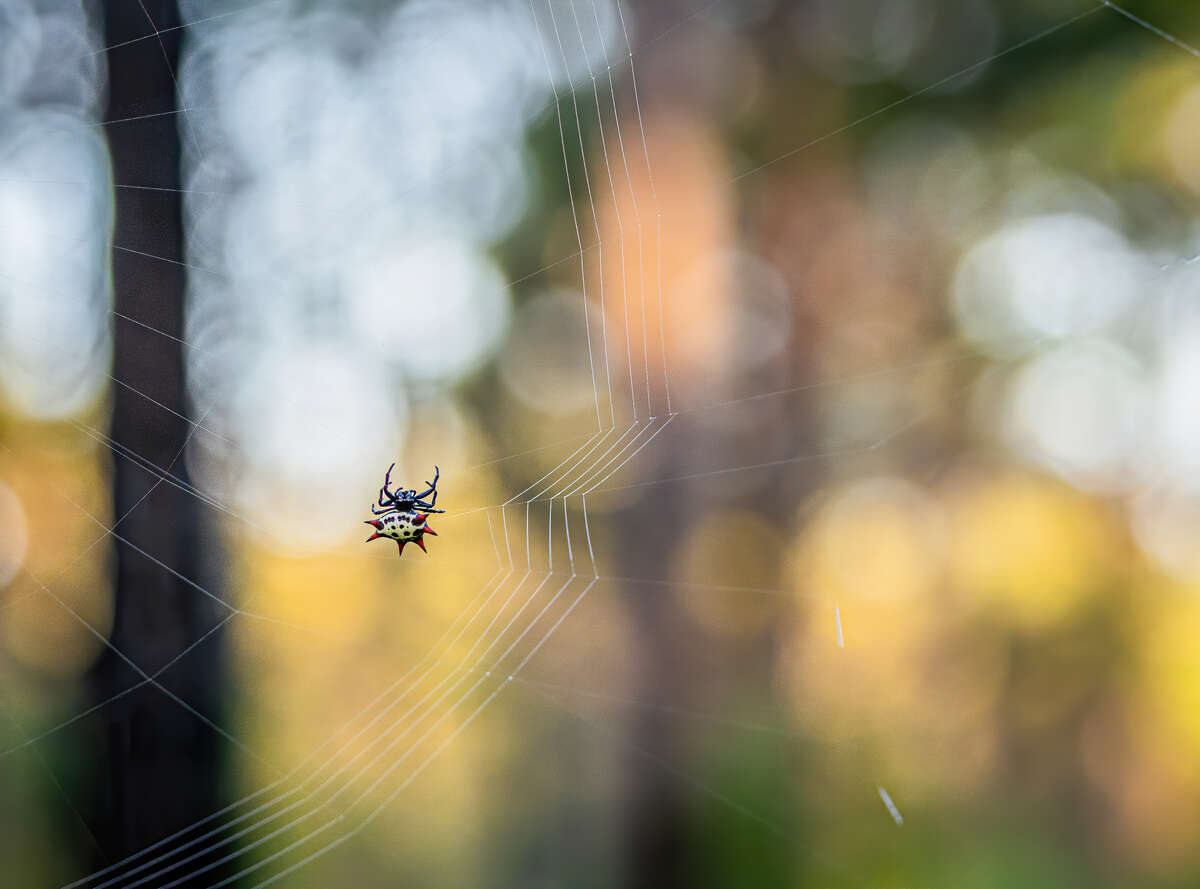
point(566, 521)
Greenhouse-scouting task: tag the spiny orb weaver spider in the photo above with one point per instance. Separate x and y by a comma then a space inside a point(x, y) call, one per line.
point(403, 513)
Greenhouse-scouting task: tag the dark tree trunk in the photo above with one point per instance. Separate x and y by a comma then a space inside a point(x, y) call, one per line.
point(677, 835)
point(659, 834)
point(157, 766)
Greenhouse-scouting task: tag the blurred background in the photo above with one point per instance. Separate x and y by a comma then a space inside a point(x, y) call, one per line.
point(870, 329)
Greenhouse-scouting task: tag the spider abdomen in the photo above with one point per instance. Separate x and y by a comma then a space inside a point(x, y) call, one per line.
point(403, 526)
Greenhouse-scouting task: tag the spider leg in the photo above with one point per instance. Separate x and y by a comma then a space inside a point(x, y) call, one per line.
point(383, 511)
point(428, 507)
point(432, 489)
point(387, 479)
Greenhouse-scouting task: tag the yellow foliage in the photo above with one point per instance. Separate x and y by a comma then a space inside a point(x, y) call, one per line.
point(1029, 549)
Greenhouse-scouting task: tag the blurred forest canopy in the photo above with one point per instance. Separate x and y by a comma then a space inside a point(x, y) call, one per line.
point(900, 297)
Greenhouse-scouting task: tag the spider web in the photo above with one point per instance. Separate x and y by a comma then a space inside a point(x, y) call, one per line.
point(540, 533)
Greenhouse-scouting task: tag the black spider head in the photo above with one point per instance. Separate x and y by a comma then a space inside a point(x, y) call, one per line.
point(407, 499)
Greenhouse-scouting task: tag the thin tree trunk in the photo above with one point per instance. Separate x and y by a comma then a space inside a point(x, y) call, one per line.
point(157, 767)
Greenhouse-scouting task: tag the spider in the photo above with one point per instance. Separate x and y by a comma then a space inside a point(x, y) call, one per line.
point(403, 514)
